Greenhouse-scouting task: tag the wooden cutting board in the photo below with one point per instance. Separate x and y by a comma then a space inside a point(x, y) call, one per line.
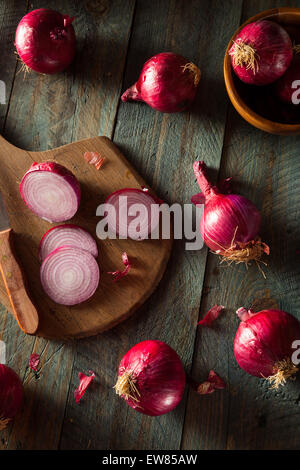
point(113, 301)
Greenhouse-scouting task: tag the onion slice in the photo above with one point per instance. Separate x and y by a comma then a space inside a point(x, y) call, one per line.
point(68, 234)
point(136, 213)
point(51, 191)
point(69, 275)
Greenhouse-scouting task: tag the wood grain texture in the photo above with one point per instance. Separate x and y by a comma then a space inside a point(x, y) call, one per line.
point(112, 302)
point(41, 117)
point(163, 148)
point(48, 112)
point(248, 415)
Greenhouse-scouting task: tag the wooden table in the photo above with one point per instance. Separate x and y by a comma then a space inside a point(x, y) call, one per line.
point(115, 37)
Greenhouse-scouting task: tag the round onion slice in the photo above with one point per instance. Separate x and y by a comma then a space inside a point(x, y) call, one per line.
point(68, 234)
point(131, 205)
point(51, 191)
point(70, 275)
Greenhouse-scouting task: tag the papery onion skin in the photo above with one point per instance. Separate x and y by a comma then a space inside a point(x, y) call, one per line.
point(67, 177)
point(45, 41)
point(168, 83)
point(264, 339)
point(283, 87)
point(271, 49)
point(229, 221)
point(11, 394)
point(158, 376)
point(53, 284)
point(67, 234)
point(140, 197)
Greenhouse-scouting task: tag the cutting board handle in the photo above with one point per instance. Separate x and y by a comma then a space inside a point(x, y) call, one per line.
point(15, 284)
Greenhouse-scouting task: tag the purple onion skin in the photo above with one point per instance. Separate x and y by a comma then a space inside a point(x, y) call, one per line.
point(43, 43)
point(264, 339)
point(274, 52)
point(160, 377)
point(11, 393)
point(283, 87)
point(163, 84)
point(223, 214)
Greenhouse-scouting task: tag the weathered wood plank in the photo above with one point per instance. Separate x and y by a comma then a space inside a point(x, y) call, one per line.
point(10, 14)
point(249, 416)
point(43, 114)
point(82, 101)
point(163, 148)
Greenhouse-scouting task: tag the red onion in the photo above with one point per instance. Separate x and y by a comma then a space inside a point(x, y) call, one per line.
point(263, 344)
point(261, 52)
point(151, 378)
point(168, 83)
point(230, 223)
point(11, 395)
point(125, 203)
point(45, 41)
point(69, 275)
point(285, 87)
point(51, 191)
point(68, 234)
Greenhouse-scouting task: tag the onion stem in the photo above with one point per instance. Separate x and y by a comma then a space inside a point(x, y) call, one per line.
point(283, 370)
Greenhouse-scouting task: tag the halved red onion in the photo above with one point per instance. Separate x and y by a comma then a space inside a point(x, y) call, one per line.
point(131, 205)
point(51, 191)
point(70, 275)
point(68, 234)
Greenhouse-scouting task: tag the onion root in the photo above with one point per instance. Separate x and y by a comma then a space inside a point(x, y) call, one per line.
point(126, 387)
point(3, 423)
point(245, 55)
point(283, 370)
point(194, 71)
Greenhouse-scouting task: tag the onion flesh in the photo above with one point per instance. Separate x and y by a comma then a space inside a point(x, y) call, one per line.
point(11, 395)
point(51, 191)
point(69, 275)
point(261, 53)
point(45, 41)
point(151, 378)
point(168, 83)
point(123, 201)
point(263, 344)
point(68, 234)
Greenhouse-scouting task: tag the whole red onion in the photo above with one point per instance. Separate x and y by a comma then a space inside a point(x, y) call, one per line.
point(45, 41)
point(287, 88)
point(151, 378)
point(230, 223)
point(11, 395)
point(168, 83)
point(261, 52)
point(263, 344)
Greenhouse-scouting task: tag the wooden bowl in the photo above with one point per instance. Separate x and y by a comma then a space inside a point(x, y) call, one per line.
point(257, 104)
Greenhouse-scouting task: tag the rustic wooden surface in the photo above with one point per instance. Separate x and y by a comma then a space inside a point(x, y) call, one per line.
point(115, 37)
point(112, 302)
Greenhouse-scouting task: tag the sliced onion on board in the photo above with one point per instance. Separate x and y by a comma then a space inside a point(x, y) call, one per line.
point(70, 275)
point(68, 234)
point(149, 218)
point(51, 191)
